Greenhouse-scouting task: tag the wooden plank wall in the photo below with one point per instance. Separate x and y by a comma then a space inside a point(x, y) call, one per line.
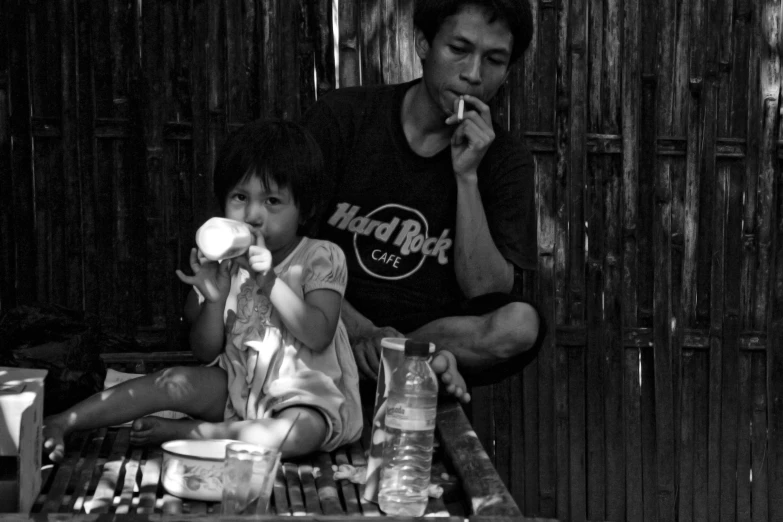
point(655, 129)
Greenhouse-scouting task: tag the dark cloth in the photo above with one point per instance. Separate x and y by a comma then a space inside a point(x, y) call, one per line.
point(394, 212)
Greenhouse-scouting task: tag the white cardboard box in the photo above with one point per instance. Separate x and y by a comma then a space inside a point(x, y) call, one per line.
point(21, 421)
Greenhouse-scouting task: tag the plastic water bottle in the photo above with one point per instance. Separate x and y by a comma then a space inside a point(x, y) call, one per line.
point(410, 428)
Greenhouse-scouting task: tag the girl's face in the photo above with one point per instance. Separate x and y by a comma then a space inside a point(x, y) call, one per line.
point(271, 213)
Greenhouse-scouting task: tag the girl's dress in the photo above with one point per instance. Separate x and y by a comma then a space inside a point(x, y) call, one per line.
point(270, 370)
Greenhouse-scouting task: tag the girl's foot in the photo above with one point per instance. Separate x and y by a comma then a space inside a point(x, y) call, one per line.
point(54, 440)
point(154, 430)
point(444, 364)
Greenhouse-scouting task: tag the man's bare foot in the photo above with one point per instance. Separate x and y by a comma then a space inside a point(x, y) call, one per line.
point(444, 364)
point(54, 440)
point(154, 430)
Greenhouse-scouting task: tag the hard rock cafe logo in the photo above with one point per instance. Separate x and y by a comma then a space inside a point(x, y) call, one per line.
point(392, 241)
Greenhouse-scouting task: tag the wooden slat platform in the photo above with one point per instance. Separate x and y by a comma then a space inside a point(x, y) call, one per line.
point(102, 473)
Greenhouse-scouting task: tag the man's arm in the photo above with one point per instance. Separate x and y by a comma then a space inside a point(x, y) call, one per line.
point(479, 265)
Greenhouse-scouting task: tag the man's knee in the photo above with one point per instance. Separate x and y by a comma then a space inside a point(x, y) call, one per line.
point(519, 324)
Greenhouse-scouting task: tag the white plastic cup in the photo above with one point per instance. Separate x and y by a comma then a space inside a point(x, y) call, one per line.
point(248, 477)
point(222, 238)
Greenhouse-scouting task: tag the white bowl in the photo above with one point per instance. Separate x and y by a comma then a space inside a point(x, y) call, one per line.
point(194, 468)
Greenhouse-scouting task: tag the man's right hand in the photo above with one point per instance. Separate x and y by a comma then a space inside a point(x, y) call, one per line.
point(367, 350)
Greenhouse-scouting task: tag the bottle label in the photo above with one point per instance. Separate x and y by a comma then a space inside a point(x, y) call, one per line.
point(401, 417)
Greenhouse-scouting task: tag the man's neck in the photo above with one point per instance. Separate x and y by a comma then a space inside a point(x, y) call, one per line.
point(423, 122)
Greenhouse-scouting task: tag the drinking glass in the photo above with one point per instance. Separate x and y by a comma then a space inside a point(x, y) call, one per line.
point(248, 476)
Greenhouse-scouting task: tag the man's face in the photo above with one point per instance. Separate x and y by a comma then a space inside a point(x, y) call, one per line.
point(468, 55)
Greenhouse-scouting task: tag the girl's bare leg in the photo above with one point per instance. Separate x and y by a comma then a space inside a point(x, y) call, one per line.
point(195, 390)
point(307, 434)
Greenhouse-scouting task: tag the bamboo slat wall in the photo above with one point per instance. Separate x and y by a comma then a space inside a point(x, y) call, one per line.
point(655, 128)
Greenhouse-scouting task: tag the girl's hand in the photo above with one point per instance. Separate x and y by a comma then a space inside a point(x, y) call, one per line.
point(211, 278)
point(260, 260)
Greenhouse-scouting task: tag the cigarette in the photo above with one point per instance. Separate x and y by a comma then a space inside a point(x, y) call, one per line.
point(461, 110)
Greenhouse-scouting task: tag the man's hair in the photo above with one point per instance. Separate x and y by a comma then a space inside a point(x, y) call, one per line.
point(274, 150)
point(429, 15)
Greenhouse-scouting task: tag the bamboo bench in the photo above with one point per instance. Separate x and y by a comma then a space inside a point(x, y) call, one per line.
point(103, 474)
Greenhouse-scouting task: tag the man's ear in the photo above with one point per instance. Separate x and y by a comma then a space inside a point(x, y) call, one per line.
point(422, 45)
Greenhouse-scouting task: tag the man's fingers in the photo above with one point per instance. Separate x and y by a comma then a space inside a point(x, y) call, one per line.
point(361, 363)
point(475, 133)
point(458, 136)
point(477, 106)
point(371, 356)
point(366, 367)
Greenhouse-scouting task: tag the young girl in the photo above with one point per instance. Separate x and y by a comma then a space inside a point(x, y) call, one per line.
point(268, 322)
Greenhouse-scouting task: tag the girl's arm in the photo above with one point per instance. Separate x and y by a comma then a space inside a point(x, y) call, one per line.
point(312, 320)
point(213, 281)
point(207, 327)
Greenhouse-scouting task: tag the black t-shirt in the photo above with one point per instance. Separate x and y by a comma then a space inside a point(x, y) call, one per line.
point(394, 212)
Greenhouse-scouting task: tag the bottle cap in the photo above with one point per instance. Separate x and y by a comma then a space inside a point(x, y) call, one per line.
point(418, 348)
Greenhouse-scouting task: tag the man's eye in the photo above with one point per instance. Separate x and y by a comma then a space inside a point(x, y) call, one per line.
point(457, 50)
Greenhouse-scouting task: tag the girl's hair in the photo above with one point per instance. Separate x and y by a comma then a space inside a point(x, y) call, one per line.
point(280, 151)
point(429, 15)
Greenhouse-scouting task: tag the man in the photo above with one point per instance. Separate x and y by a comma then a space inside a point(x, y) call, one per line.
point(435, 205)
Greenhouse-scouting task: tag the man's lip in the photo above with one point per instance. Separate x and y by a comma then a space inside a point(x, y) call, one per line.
point(458, 94)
